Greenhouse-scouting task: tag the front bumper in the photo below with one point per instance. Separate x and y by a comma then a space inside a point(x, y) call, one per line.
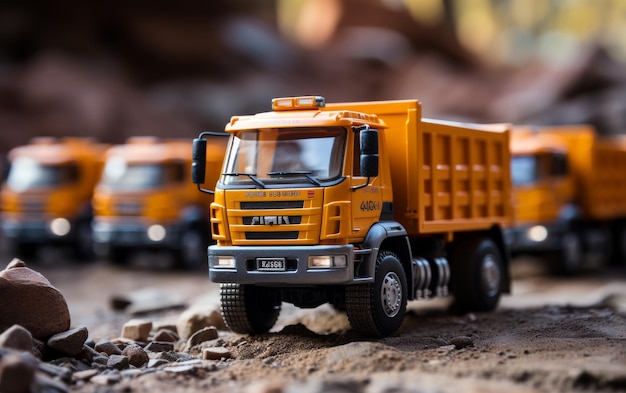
point(34, 232)
point(134, 234)
point(297, 271)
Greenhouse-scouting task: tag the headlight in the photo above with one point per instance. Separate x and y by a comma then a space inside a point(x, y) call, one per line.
point(60, 226)
point(326, 261)
point(225, 261)
point(156, 232)
point(538, 233)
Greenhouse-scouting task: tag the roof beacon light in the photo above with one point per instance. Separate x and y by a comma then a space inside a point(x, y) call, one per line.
point(295, 103)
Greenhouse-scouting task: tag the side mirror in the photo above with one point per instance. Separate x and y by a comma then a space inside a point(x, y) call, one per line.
point(198, 161)
point(369, 153)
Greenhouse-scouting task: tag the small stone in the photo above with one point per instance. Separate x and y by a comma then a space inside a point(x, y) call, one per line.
point(159, 346)
point(59, 372)
point(461, 342)
point(202, 335)
point(16, 262)
point(106, 379)
point(17, 373)
point(106, 346)
point(84, 375)
point(165, 335)
point(87, 353)
point(118, 362)
point(216, 353)
point(101, 360)
point(69, 342)
point(18, 338)
point(157, 363)
point(137, 329)
point(136, 355)
point(195, 318)
point(46, 384)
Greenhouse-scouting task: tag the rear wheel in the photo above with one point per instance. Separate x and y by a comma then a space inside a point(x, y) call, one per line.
point(569, 259)
point(477, 275)
point(378, 309)
point(192, 253)
point(249, 309)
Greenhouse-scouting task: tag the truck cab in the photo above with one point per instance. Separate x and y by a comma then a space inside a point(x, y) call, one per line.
point(145, 201)
point(46, 198)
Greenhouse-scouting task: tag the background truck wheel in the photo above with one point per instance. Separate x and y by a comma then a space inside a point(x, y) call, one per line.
point(569, 259)
point(192, 253)
point(477, 274)
point(378, 309)
point(249, 309)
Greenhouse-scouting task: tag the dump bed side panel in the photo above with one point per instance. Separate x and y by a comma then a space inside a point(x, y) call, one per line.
point(603, 189)
point(464, 178)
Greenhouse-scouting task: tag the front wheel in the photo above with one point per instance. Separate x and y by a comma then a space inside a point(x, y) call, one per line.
point(477, 275)
point(249, 309)
point(378, 309)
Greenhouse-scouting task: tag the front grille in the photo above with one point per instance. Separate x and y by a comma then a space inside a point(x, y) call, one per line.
point(287, 235)
point(128, 208)
point(272, 205)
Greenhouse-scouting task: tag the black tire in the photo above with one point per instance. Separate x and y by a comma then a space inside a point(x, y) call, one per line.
point(477, 275)
point(378, 309)
point(567, 261)
point(249, 309)
point(119, 255)
point(617, 255)
point(84, 247)
point(193, 253)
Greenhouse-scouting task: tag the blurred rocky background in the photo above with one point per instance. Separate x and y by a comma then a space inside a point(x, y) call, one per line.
point(114, 69)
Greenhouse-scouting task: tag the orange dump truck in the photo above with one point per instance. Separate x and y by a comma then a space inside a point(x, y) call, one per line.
point(146, 201)
point(46, 198)
point(361, 205)
point(569, 192)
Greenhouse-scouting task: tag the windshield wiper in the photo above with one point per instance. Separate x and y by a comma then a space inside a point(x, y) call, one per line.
point(252, 177)
point(306, 174)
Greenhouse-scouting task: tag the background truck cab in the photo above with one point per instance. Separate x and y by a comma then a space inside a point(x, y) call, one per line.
point(569, 187)
point(46, 198)
point(145, 200)
point(361, 205)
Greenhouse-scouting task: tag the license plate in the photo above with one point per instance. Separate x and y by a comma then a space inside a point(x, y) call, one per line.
point(271, 264)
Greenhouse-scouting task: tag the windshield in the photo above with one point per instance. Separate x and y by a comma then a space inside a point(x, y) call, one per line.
point(524, 170)
point(281, 156)
point(121, 175)
point(26, 173)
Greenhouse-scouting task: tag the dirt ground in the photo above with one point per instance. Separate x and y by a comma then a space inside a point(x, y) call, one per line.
point(549, 335)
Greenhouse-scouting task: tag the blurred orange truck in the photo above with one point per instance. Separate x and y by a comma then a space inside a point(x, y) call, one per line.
point(146, 201)
point(361, 205)
point(46, 199)
point(569, 195)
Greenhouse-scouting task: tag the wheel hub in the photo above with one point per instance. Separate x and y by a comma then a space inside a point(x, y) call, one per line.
point(490, 275)
point(391, 294)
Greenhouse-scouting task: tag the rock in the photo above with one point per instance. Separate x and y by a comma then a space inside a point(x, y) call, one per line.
point(18, 338)
point(84, 375)
point(118, 362)
point(58, 372)
point(202, 335)
point(165, 335)
point(17, 373)
point(196, 318)
point(215, 353)
point(69, 342)
point(160, 346)
point(136, 355)
point(34, 303)
point(137, 329)
point(108, 347)
point(16, 262)
point(88, 353)
point(157, 363)
point(461, 342)
point(106, 379)
point(145, 300)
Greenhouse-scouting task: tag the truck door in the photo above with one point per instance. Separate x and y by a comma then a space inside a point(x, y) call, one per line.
point(366, 191)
